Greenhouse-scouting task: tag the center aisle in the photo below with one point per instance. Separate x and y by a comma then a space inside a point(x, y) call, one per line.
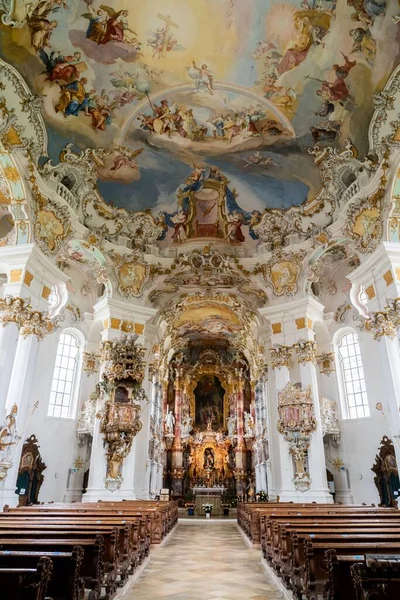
point(204, 561)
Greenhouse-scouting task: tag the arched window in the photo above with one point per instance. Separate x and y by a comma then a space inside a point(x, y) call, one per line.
point(352, 376)
point(66, 376)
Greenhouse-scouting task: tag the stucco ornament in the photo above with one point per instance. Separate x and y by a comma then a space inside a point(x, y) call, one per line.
point(329, 417)
point(386, 322)
point(326, 363)
point(364, 223)
point(296, 423)
point(306, 351)
point(51, 221)
point(29, 322)
point(282, 272)
point(123, 398)
point(91, 363)
point(281, 356)
point(132, 273)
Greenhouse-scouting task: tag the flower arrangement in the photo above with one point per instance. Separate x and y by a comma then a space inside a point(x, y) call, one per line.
point(262, 496)
point(207, 508)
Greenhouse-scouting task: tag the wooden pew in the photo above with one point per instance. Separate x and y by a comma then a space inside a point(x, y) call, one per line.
point(65, 582)
point(92, 567)
point(379, 579)
point(314, 573)
point(26, 583)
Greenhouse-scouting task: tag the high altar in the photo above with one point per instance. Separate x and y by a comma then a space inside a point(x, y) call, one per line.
point(209, 427)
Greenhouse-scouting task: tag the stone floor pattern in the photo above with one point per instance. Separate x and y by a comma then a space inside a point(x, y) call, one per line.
point(204, 561)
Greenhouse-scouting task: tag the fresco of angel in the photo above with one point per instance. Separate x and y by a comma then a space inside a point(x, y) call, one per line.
point(117, 27)
point(162, 39)
point(259, 159)
point(66, 68)
point(97, 23)
point(126, 158)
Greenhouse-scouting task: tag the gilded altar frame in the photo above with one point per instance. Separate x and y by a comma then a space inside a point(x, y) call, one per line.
point(192, 379)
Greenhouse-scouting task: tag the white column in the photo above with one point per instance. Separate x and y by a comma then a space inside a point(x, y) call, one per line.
point(22, 381)
point(318, 491)
point(287, 493)
point(8, 346)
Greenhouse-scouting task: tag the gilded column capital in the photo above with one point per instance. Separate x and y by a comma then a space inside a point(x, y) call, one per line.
point(29, 322)
point(326, 363)
point(306, 351)
point(281, 356)
point(385, 322)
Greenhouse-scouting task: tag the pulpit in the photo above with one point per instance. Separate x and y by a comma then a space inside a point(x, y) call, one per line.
point(211, 496)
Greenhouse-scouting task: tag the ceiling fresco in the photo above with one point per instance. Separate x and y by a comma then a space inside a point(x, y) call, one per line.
point(206, 109)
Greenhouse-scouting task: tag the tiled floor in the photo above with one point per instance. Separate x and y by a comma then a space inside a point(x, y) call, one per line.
point(204, 561)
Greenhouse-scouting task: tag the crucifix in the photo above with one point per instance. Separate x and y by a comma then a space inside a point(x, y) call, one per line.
point(168, 24)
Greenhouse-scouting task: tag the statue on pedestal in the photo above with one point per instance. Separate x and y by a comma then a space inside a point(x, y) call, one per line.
point(248, 424)
point(231, 426)
point(169, 422)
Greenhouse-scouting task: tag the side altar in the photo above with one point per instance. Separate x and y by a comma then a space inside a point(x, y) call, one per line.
point(204, 495)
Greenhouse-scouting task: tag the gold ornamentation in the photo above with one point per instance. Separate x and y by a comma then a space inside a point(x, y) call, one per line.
point(30, 322)
point(370, 291)
point(15, 275)
point(28, 278)
point(386, 322)
point(300, 323)
point(132, 272)
point(52, 221)
point(11, 173)
point(338, 464)
point(91, 363)
point(282, 272)
point(388, 277)
point(306, 351)
point(124, 359)
point(296, 423)
point(36, 323)
point(364, 222)
point(79, 463)
point(276, 328)
point(281, 356)
point(326, 363)
point(46, 291)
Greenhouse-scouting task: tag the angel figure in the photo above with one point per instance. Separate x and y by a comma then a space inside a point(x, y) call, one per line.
point(97, 23)
point(117, 26)
point(126, 158)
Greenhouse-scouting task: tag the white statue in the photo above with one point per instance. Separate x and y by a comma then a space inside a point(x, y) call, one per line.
point(8, 435)
point(186, 427)
point(248, 424)
point(231, 426)
point(169, 422)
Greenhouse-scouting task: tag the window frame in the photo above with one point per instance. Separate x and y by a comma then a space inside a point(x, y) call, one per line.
point(341, 378)
point(77, 376)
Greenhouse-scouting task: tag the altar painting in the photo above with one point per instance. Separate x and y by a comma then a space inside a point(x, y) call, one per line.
point(209, 403)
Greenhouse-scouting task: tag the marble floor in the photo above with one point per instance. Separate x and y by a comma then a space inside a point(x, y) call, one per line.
point(204, 561)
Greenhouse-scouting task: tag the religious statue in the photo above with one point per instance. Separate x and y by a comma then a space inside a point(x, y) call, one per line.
point(231, 426)
point(8, 435)
point(169, 422)
point(248, 424)
point(186, 427)
point(208, 459)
